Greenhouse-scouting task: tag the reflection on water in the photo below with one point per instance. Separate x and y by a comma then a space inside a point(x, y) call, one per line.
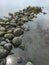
point(9, 61)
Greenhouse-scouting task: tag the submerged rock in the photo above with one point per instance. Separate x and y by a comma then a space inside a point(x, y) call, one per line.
point(18, 31)
point(19, 60)
point(17, 41)
point(29, 63)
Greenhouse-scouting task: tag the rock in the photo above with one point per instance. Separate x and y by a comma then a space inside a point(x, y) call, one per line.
point(3, 53)
point(25, 27)
point(13, 24)
point(9, 36)
point(2, 23)
point(27, 14)
point(10, 31)
point(7, 23)
point(24, 19)
point(44, 13)
point(1, 47)
point(18, 31)
point(19, 60)
point(7, 26)
point(29, 63)
point(17, 41)
point(2, 28)
point(3, 61)
point(2, 33)
point(2, 39)
point(22, 46)
point(13, 21)
point(7, 40)
point(20, 23)
point(8, 46)
point(3, 43)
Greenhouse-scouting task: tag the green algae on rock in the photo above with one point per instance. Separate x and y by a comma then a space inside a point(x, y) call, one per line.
point(9, 36)
point(18, 31)
point(22, 46)
point(2, 33)
point(17, 41)
point(35, 10)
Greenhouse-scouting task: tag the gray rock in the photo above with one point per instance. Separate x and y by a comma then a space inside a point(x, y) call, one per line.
point(9, 36)
point(7, 40)
point(1, 47)
point(3, 53)
point(2, 33)
point(20, 23)
point(8, 46)
point(18, 31)
point(10, 31)
point(2, 23)
point(22, 46)
point(29, 63)
point(3, 43)
point(24, 19)
point(2, 28)
point(13, 24)
point(25, 27)
point(17, 41)
point(19, 60)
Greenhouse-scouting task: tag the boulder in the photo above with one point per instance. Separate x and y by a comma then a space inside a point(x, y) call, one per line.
point(20, 23)
point(2, 33)
point(18, 31)
point(2, 23)
point(8, 46)
point(2, 28)
point(19, 60)
point(25, 27)
point(9, 36)
point(3, 43)
point(10, 31)
point(7, 40)
point(24, 19)
point(29, 63)
point(17, 41)
point(13, 24)
point(22, 46)
point(3, 53)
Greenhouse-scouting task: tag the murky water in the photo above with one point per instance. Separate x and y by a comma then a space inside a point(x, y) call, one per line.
point(37, 39)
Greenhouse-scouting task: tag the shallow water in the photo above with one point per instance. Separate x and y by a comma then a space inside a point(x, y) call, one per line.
point(36, 40)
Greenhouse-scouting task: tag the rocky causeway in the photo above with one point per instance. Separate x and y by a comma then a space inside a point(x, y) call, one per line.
point(12, 29)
